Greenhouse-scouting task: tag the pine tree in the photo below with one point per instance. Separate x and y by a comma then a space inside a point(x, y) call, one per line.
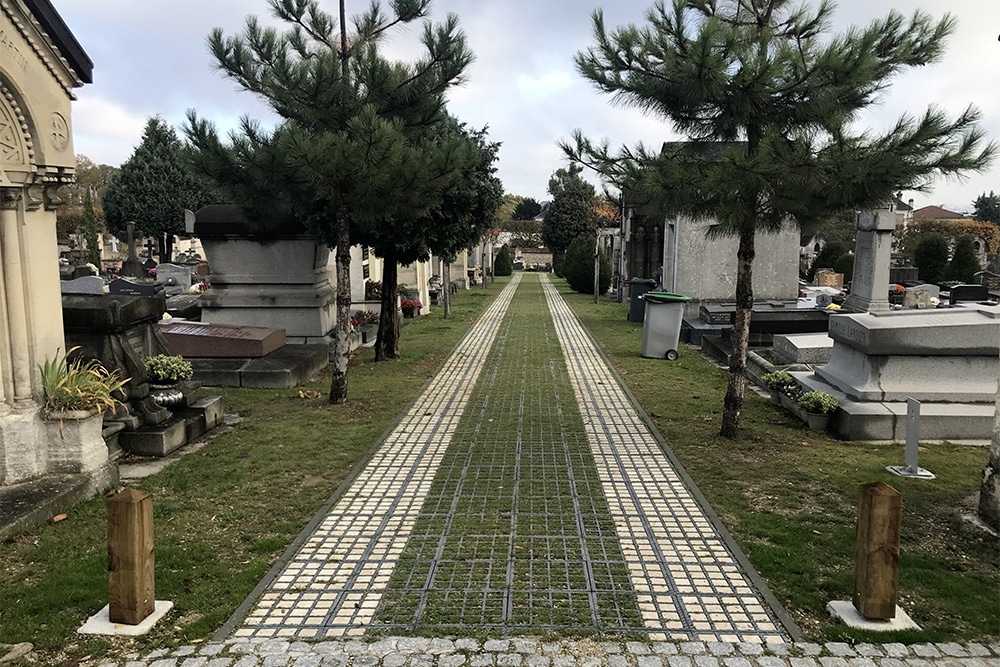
point(354, 149)
point(987, 207)
point(768, 102)
point(503, 264)
point(91, 232)
point(153, 187)
point(571, 212)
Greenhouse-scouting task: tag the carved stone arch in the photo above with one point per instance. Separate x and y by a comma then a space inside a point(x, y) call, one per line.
point(17, 155)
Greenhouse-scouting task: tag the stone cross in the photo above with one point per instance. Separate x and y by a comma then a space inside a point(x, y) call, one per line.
point(150, 247)
point(872, 256)
point(132, 267)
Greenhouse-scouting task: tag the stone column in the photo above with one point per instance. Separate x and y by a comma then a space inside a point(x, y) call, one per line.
point(872, 256)
point(13, 294)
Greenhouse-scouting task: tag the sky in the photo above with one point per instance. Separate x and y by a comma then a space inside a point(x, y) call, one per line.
point(151, 58)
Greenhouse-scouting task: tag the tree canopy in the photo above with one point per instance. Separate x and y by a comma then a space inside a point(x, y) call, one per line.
point(769, 102)
point(571, 211)
point(526, 209)
point(154, 186)
point(92, 179)
point(987, 207)
point(357, 148)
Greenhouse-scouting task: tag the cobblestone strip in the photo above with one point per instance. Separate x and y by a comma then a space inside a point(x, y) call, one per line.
point(534, 652)
point(333, 585)
point(688, 583)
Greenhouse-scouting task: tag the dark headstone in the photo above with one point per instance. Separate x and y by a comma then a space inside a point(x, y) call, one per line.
point(126, 287)
point(969, 293)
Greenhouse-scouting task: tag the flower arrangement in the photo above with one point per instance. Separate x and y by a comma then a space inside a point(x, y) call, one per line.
point(817, 402)
point(410, 304)
point(366, 317)
point(373, 290)
point(79, 385)
point(779, 381)
point(168, 368)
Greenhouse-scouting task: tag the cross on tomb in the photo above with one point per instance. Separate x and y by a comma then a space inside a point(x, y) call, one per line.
point(150, 247)
point(130, 226)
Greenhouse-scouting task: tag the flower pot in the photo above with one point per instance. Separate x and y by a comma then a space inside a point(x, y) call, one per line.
point(368, 333)
point(818, 421)
point(165, 393)
point(74, 443)
point(409, 312)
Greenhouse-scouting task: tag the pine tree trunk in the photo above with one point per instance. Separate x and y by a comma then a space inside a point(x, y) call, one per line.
point(446, 287)
point(989, 491)
point(387, 342)
point(733, 403)
point(342, 345)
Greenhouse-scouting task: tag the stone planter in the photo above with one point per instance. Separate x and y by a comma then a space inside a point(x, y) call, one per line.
point(369, 332)
point(74, 441)
point(409, 312)
point(775, 396)
point(818, 421)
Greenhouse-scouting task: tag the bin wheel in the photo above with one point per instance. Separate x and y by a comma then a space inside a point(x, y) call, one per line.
point(671, 355)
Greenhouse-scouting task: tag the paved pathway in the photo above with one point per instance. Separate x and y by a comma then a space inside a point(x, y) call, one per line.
point(633, 550)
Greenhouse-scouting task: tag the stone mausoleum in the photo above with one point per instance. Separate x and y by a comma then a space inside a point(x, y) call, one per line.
point(40, 65)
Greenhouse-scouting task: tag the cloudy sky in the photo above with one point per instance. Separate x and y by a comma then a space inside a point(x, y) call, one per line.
point(150, 58)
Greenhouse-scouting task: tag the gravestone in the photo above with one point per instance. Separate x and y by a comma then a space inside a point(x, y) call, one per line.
point(933, 291)
point(826, 278)
point(85, 285)
point(176, 279)
point(125, 287)
point(203, 339)
point(872, 257)
point(968, 293)
point(989, 279)
point(919, 299)
point(132, 267)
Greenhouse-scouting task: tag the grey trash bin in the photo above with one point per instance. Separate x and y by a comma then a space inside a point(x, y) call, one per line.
point(636, 306)
point(661, 330)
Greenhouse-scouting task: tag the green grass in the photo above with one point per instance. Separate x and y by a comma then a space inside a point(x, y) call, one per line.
point(789, 496)
point(223, 514)
point(500, 520)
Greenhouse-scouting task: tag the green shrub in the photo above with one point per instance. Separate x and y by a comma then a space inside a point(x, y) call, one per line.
point(79, 385)
point(964, 262)
point(778, 380)
point(931, 257)
point(817, 402)
point(578, 266)
point(168, 368)
point(503, 263)
point(827, 259)
point(845, 265)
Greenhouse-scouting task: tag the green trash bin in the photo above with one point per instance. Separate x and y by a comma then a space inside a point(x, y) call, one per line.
point(637, 287)
point(661, 329)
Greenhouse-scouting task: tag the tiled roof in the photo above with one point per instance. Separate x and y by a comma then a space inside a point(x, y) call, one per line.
point(937, 213)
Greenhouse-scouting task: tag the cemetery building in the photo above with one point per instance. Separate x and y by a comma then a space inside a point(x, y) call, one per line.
point(677, 252)
point(41, 64)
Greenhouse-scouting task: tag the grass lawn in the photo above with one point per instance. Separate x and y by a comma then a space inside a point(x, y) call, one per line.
point(225, 513)
point(789, 496)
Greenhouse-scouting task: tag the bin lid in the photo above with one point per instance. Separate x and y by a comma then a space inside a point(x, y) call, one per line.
point(641, 281)
point(665, 297)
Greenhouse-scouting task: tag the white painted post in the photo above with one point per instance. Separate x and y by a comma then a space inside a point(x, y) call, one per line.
point(912, 467)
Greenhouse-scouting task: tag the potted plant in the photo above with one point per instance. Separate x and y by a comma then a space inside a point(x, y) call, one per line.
point(78, 386)
point(76, 394)
point(167, 369)
point(777, 382)
point(410, 307)
point(818, 407)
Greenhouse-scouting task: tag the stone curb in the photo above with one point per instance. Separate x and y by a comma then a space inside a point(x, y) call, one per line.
point(533, 652)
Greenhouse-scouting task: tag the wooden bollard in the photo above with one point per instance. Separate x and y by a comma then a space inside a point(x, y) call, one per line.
point(131, 595)
point(876, 553)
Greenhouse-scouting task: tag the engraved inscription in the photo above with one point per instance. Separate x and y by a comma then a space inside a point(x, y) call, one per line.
point(848, 331)
point(7, 43)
